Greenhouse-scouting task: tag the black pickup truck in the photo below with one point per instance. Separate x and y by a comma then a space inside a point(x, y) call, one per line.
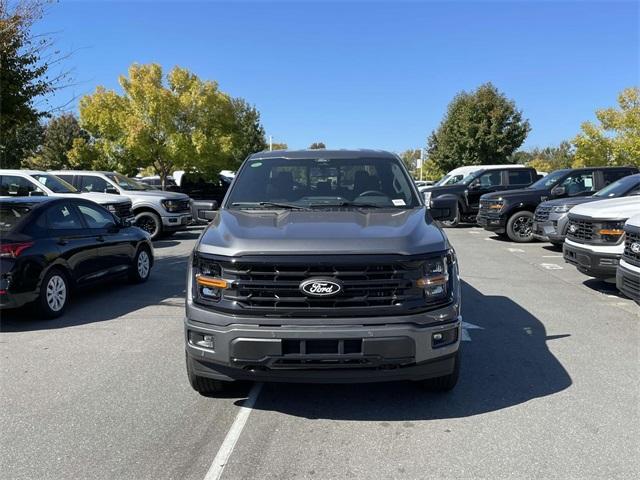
point(469, 190)
point(511, 213)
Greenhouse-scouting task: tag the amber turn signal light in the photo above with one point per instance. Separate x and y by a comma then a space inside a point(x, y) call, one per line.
point(211, 282)
point(611, 231)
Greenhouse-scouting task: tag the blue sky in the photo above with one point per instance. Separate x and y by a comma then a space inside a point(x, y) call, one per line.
point(366, 74)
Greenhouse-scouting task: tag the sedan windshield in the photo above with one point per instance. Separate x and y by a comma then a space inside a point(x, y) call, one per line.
point(322, 182)
point(55, 184)
point(126, 183)
point(619, 187)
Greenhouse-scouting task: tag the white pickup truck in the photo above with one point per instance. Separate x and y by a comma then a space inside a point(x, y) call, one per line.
point(595, 235)
point(628, 273)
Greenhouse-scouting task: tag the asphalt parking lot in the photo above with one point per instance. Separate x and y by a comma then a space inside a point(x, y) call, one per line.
point(549, 388)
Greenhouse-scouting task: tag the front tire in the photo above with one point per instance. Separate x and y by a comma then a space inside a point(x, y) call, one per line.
point(203, 385)
point(520, 227)
point(445, 383)
point(149, 222)
point(54, 294)
point(141, 267)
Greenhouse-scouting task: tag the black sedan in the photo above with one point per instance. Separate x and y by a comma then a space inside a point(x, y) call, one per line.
point(48, 246)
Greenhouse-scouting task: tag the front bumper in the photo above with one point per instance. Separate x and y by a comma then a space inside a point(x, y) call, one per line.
point(552, 230)
point(492, 223)
point(320, 352)
point(176, 222)
point(597, 264)
point(628, 280)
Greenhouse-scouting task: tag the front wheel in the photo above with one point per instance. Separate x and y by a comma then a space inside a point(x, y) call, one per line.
point(445, 383)
point(54, 294)
point(150, 223)
point(141, 267)
point(203, 385)
point(520, 227)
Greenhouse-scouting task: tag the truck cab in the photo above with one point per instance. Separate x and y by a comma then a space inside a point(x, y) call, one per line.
point(480, 182)
point(323, 266)
point(511, 213)
point(595, 235)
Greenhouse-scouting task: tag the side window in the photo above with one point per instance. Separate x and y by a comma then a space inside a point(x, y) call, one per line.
point(66, 178)
point(15, 186)
point(611, 176)
point(96, 217)
point(579, 184)
point(519, 177)
point(89, 183)
point(634, 192)
point(62, 217)
point(491, 179)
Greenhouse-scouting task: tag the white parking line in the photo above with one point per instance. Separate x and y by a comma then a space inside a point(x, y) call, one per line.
point(551, 256)
point(551, 266)
point(515, 250)
point(229, 443)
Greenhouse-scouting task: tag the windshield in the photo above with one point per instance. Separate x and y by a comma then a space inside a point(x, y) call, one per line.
point(55, 184)
point(11, 214)
point(619, 187)
point(321, 182)
point(449, 180)
point(125, 183)
point(550, 180)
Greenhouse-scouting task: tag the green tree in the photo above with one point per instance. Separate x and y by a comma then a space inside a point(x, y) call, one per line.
point(615, 139)
point(177, 122)
point(481, 127)
point(58, 139)
point(317, 146)
point(547, 159)
point(278, 146)
point(249, 134)
point(410, 158)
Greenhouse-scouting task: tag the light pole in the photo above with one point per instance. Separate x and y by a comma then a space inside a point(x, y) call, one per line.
point(270, 143)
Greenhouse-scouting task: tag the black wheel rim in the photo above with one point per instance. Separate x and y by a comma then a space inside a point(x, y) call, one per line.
point(147, 224)
point(523, 226)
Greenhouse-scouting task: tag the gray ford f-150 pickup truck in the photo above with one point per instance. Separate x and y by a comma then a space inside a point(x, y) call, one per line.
point(324, 266)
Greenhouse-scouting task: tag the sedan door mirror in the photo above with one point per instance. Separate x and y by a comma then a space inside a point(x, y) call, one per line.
point(444, 208)
point(558, 191)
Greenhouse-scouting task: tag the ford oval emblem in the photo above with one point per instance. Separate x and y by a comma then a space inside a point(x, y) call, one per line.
point(635, 247)
point(573, 228)
point(320, 287)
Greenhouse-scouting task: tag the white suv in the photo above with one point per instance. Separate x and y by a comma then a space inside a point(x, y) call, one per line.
point(595, 235)
point(156, 212)
point(32, 183)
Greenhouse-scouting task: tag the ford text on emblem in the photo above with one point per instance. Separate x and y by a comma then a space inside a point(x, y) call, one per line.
point(320, 287)
point(635, 247)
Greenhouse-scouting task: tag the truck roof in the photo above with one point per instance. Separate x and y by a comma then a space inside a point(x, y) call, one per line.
point(323, 153)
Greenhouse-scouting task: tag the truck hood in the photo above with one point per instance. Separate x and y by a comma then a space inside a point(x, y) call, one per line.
point(442, 190)
point(520, 195)
point(162, 194)
point(103, 198)
point(612, 209)
point(322, 232)
point(634, 221)
point(570, 202)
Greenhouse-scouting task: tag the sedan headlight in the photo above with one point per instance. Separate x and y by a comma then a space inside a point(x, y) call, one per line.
point(561, 208)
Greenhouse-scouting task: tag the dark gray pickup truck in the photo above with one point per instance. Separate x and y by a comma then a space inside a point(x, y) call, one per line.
point(324, 266)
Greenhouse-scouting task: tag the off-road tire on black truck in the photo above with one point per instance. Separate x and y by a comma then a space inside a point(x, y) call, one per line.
point(446, 383)
point(520, 227)
point(204, 385)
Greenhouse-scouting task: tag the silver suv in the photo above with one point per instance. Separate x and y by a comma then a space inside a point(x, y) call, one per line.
point(156, 212)
point(324, 266)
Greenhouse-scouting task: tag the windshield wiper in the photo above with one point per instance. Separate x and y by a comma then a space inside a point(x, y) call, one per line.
point(289, 206)
point(347, 203)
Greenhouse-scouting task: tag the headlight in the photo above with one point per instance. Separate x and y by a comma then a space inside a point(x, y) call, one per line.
point(560, 208)
point(171, 205)
point(435, 282)
point(496, 206)
point(207, 283)
point(612, 231)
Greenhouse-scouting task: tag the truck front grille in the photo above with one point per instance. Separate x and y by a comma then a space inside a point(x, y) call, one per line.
point(581, 230)
point(371, 286)
point(123, 209)
point(183, 206)
point(542, 213)
point(485, 207)
point(629, 255)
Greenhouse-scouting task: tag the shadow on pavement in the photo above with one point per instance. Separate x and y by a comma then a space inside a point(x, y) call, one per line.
point(506, 363)
point(109, 300)
point(600, 286)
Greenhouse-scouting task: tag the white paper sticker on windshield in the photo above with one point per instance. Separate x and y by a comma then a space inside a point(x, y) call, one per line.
point(398, 202)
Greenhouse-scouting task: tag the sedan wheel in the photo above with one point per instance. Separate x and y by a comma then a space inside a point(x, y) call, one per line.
point(141, 267)
point(54, 294)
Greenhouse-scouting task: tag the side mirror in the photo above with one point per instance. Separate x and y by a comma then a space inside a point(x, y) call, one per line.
point(112, 190)
point(444, 208)
point(125, 222)
point(558, 191)
point(208, 215)
point(474, 185)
